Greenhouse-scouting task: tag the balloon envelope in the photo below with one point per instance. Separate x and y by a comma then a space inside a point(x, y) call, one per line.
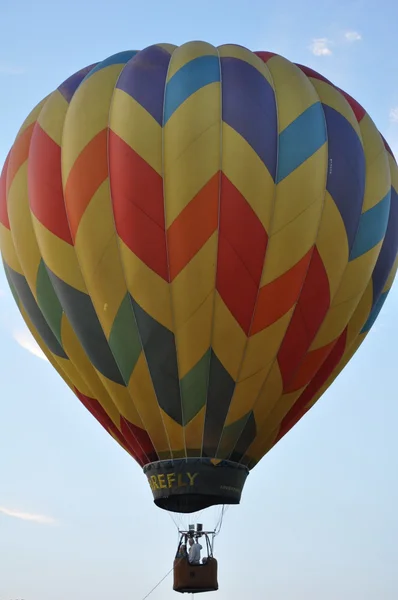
point(199, 239)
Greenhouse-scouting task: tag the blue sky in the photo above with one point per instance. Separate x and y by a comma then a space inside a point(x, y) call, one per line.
point(318, 515)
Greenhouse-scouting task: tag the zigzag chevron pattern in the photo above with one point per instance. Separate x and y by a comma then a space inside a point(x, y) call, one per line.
point(199, 239)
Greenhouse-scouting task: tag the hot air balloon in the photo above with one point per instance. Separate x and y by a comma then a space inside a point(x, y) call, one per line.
point(199, 238)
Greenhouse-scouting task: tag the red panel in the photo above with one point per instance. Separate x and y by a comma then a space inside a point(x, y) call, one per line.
point(312, 307)
point(19, 154)
point(135, 435)
point(4, 220)
point(300, 407)
point(131, 441)
point(46, 197)
point(85, 177)
point(314, 74)
point(278, 297)
point(242, 246)
point(265, 56)
point(137, 196)
point(193, 227)
point(359, 111)
point(308, 368)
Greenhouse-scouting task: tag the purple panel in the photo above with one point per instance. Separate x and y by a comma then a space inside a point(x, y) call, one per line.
point(69, 87)
point(249, 107)
point(388, 250)
point(346, 172)
point(144, 79)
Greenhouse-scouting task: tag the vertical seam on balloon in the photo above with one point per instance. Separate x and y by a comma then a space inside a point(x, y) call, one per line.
point(337, 288)
point(262, 271)
point(168, 260)
point(72, 362)
point(291, 316)
point(82, 274)
point(347, 348)
point(296, 306)
point(217, 251)
point(52, 358)
point(94, 371)
point(123, 270)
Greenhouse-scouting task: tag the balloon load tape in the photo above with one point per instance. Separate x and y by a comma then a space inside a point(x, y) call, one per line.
point(192, 484)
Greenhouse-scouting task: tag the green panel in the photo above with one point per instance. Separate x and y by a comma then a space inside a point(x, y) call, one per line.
point(124, 340)
point(48, 302)
point(194, 388)
point(230, 436)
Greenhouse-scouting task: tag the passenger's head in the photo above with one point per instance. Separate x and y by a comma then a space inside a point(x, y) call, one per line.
point(191, 541)
point(183, 548)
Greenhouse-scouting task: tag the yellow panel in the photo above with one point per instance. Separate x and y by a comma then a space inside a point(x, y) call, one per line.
point(21, 227)
point(51, 118)
point(59, 256)
point(144, 397)
point(122, 400)
point(88, 114)
point(194, 283)
point(294, 92)
point(290, 244)
point(192, 152)
point(228, 338)
point(187, 52)
point(235, 51)
point(262, 445)
point(170, 48)
point(361, 314)
point(330, 96)
point(55, 361)
point(133, 124)
point(391, 277)
point(193, 431)
point(193, 338)
point(335, 322)
point(94, 386)
point(263, 347)
point(147, 288)
point(378, 178)
point(357, 275)
point(269, 395)
point(245, 394)
point(8, 251)
point(393, 171)
point(332, 244)
point(98, 254)
point(175, 433)
point(304, 187)
point(32, 117)
point(244, 168)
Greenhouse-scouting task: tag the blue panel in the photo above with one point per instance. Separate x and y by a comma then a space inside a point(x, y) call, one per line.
point(300, 140)
point(189, 79)
point(121, 58)
point(389, 249)
point(248, 106)
point(144, 79)
point(374, 313)
point(346, 173)
point(372, 227)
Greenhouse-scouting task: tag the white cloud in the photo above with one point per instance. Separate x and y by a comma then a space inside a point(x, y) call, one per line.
point(394, 115)
point(9, 69)
point(321, 47)
point(17, 514)
point(352, 36)
point(24, 338)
